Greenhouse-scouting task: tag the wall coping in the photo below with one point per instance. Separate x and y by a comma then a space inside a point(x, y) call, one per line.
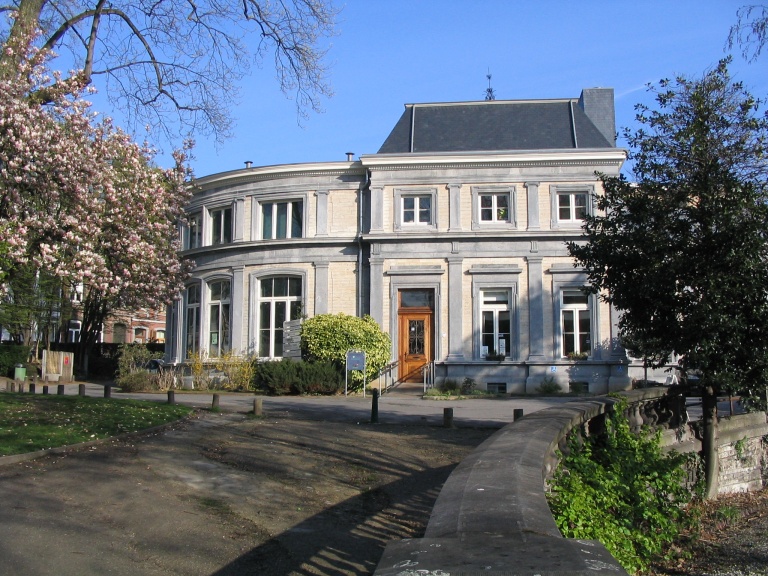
point(492, 514)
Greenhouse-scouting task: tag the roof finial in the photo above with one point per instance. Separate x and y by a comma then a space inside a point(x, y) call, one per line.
point(489, 93)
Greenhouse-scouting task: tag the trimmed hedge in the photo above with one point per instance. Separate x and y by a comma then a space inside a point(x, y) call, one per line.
point(289, 377)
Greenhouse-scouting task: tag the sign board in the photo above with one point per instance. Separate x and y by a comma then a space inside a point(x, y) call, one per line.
point(355, 360)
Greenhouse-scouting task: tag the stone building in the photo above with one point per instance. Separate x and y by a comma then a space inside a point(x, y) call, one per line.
point(452, 237)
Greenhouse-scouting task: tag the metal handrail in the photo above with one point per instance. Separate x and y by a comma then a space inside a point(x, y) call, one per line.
point(389, 373)
point(428, 375)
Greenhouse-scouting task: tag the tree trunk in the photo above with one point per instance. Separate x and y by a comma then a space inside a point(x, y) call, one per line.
point(709, 442)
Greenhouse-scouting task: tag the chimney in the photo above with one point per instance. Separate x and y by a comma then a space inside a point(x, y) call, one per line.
point(597, 104)
point(248, 163)
point(350, 156)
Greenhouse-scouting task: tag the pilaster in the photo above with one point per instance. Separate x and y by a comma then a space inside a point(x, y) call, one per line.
point(454, 207)
point(321, 287)
point(322, 213)
point(533, 205)
point(535, 308)
point(238, 309)
point(455, 309)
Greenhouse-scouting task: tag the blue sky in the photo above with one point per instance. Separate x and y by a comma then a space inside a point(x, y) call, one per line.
point(392, 52)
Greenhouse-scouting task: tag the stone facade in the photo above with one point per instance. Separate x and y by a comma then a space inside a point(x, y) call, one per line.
point(460, 255)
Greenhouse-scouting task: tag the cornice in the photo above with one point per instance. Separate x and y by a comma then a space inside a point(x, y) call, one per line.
point(276, 172)
point(595, 157)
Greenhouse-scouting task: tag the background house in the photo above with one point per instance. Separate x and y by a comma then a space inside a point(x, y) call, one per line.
point(452, 237)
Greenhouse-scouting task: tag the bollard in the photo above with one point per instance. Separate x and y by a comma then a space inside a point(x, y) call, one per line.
point(448, 417)
point(32, 388)
point(375, 407)
point(215, 402)
point(171, 397)
point(107, 391)
point(81, 389)
point(60, 389)
point(258, 404)
point(45, 389)
point(517, 414)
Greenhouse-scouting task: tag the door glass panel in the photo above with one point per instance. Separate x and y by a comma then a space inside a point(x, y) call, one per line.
point(416, 337)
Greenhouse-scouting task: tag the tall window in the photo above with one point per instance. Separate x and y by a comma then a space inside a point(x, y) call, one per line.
point(417, 210)
point(279, 301)
point(140, 335)
point(282, 219)
point(496, 337)
point(194, 230)
point(192, 321)
point(218, 317)
point(576, 323)
point(494, 207)
point(221, 226)
point(572, 206)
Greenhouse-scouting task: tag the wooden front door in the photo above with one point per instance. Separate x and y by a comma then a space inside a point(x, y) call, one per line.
point(415, 343)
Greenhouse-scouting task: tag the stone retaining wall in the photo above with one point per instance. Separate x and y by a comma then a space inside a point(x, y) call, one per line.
point(492, 515)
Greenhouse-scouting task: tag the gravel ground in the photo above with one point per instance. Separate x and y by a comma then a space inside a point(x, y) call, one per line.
point(227, 495)
point(732, 539)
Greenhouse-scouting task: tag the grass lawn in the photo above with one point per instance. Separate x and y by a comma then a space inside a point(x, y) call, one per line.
point(29, 423)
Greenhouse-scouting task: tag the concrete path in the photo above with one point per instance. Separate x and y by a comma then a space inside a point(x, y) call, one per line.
point(393, 408)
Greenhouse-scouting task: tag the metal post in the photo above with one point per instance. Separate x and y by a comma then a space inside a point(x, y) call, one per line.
point(171, 397)
point(448, 417)
point(375, 407)
point(81, 389)
point(107, 391)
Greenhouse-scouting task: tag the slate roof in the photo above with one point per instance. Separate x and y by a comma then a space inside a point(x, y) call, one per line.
point(494, 126)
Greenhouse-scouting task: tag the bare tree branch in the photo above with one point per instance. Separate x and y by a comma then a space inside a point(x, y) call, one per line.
point(750, 32)
point(176, 64)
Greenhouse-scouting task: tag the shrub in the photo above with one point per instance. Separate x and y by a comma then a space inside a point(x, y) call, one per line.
point(468, 386)
point(10, 355)
point(139, 381)
point(289, 377)
point(132, 368)
point(549, 386)
point(449, 385)
point(238, 370)
point(620, 488)
point(275, 378)
point(318, 378)
point(328, 337)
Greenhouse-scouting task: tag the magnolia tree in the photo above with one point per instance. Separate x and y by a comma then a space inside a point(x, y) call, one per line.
point(80, 200)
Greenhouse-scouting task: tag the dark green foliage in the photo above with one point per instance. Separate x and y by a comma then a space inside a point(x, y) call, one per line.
point(681, 252)
point(619, 488)
point(10, 355)
point(289, 377)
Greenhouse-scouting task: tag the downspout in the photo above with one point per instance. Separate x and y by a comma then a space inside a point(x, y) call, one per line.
point(573, 126)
